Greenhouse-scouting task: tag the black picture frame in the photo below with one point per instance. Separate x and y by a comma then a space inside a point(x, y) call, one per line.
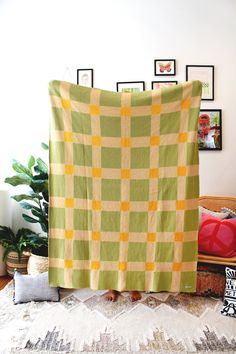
point(88, 78)
point(210, 129)
point(164, 67)
point(206, 74)
point(130, 86)
point(174, 82)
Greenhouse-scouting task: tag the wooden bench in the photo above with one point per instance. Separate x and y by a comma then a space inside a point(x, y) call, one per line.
point(215, 203)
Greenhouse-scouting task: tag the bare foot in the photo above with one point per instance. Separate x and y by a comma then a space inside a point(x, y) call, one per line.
point(134, 296)
point(112, 295)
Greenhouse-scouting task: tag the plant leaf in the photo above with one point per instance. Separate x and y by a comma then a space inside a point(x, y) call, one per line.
point(18, 167)
point(29, 206)
point(35, 195)
point(31, 162)
point(44, 226)
point(32, 197)
point(30, 219)
point(45, 195)
point(18, 179)
point(26, 206)
point(42, 165)
point(37, 213)
point(44, 146)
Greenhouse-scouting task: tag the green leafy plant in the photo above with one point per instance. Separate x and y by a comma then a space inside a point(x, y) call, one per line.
point(23, 240)
point(35, 176)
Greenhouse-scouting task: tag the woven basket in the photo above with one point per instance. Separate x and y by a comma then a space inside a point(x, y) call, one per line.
point(37, 264)
point(12, 263)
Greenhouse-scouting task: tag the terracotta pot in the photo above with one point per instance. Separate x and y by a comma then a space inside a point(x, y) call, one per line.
point(12, 263)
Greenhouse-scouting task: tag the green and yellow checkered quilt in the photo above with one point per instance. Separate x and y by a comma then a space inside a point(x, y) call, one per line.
point(124, 188)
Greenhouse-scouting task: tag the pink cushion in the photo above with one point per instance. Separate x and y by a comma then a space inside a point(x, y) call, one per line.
point(217, 237)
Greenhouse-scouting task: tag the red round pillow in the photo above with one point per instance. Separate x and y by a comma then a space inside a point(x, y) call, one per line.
point(217, 237)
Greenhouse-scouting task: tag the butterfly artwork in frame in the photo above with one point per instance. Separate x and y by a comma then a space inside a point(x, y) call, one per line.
point(164, 67)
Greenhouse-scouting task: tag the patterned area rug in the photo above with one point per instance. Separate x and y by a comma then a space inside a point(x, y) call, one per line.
point(84, 322)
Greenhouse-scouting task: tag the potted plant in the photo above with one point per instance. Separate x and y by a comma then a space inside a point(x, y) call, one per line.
point(17, 247)
point(35, 176)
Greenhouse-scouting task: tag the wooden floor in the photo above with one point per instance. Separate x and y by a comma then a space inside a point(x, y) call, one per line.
point(4, 280)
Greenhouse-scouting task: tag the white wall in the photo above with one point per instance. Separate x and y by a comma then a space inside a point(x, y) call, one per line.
point(119, 39)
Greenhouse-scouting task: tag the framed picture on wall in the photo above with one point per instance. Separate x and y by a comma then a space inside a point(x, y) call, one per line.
point(210, 129)
point(130, 86)
point(164, 67)
point(85, 77)
point(159, 84)
point(205, 74)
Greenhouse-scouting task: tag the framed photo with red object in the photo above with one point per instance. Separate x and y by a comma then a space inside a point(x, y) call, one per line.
point(130, 86)
point(85, 77)
point(210, 129)
point(159, 84)
point(205, 74)
point(164, 67)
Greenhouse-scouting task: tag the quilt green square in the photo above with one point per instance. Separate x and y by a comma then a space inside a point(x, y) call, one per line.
point(81, 92)
point(56, 248)
point(57, 218)
point(192, 187)
point(168, 155)
point(173, 123)
point(81, 123)
point(57, 186)
point(82, 155)
point(164, 252)
point(171, 94)
point(135, 280)
point(56, 276)
point(108, 279)
point(111, 189)
point(56, 152)
point(137, 252)
point(162, 281)
point(109, 251)
point(110, 99)
point(81, 250)
point(81, 278)
point(110, 157)
point(141, 99)
point(58, 122)
point(140, 121)
point(110, 126)
point(140, 157)
point(166, 221)
point(82, 219)
point(138, 221)
point(167, 188)
point(188, 282)
point(190, 250)
point(191, 220)
point(192, 121)
point(192, 154)
point(110, 221)
point(139, 190)
point(83, 188)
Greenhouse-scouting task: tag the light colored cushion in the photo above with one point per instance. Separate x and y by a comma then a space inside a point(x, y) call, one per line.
point(229, 305)
point(217, 237)
point(33, 288)
point(220, 215)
